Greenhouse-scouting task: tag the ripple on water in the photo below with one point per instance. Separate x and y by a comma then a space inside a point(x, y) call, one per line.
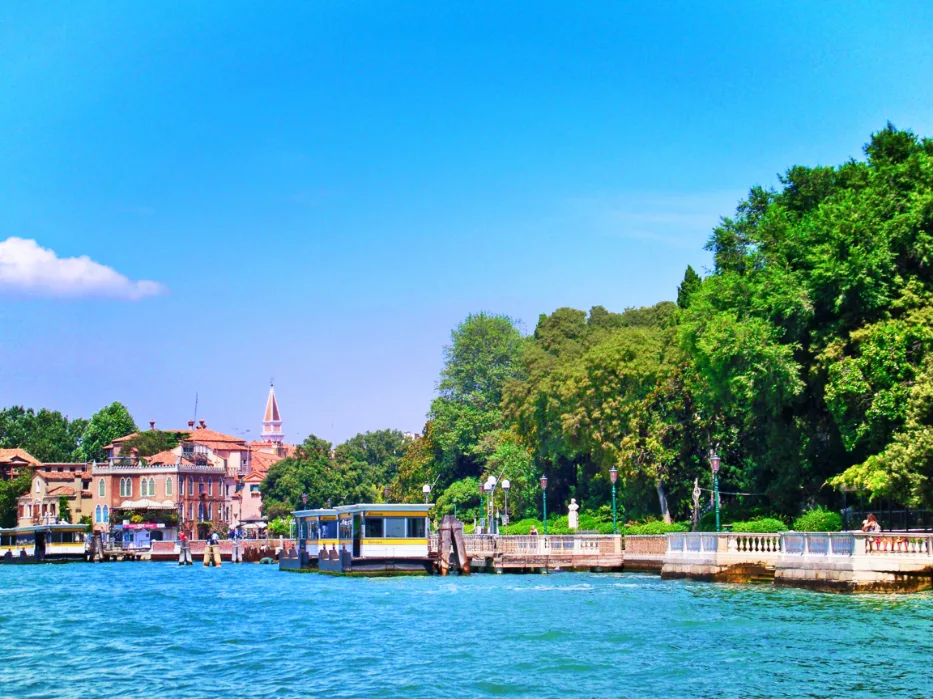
point(125, 630)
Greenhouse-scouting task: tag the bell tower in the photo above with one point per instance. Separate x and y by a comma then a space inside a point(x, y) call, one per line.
point(272, 421)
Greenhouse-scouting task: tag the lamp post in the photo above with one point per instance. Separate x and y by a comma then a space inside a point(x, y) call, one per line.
point(614, 476)
point(426, 489)
point(385, 491)
point(544, 501)
point(304, 500)
point(505, 489)
point(714, 462)
point(482, 506)
point(488, 486)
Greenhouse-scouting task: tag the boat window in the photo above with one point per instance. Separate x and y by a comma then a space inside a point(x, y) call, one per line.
point(7, 539)
point(416, 527)
point(346, 529)
point(395, 527)
point(314, 530)
point(25, 539)
point(329, 529)
point(374, 528)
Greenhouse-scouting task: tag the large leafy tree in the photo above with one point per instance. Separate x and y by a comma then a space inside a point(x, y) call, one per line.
point(48, 435)
point(106, 424)
point(482, 356)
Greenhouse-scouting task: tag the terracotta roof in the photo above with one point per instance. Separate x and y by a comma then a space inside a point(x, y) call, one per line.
point(261, 462)
point(167, 457)
point(66, 477)
point(8, 455)
point(86, 494)
point(65, 490)
point(189, 434)
point(218, 445)
point(254, 476)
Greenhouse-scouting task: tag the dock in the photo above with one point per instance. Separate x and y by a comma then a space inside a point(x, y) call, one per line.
point(540, 554)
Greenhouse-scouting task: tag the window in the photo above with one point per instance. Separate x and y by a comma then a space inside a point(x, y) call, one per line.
point(210, 487)
point(168, 487)
point(210, 508)
point(254, 488)
point(200, 511)
point(38, 485)
point(190, 511)
point(395, 527)
point(200, 485)
point(101, 488)
point(152, 487)
point(105, 513)
point(373, 528)
point(329, 529)
point(416, 527)
point(97, 518)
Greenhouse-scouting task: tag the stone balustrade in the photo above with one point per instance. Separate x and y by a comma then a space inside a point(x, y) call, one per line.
point(837, 561)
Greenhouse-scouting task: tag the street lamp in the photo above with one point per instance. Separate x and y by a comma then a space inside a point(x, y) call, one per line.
point(304, 500)
point(482, 506)
point(614, 476)
point(488, 486)
point(714, 462)
point(385, 491)
point(505, 489)
point(426, 489)
point(544, 501)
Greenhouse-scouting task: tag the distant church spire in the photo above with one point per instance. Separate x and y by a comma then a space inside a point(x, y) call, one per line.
point(272, 421)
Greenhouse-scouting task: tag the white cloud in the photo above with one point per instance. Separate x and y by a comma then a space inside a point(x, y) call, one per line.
point(26, 267)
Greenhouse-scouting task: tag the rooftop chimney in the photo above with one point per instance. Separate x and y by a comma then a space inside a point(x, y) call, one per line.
point(203, 424)
point(152, 424)
point(190, 424)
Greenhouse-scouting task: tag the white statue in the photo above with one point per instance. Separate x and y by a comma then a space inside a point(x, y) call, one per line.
point(572, 520)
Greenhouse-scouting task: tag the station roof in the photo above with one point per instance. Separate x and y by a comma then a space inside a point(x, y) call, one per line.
point(419, 508)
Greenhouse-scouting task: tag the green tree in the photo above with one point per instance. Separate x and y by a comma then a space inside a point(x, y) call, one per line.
point(105, 425)
point(48, 435)
point(9, 492)
point(482, 356)
point(64, 509)
point(687, 287)
point(150, 442)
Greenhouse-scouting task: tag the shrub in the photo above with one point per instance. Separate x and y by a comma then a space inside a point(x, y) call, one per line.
point(655, 528)
point(762, 525)
point(818, 520)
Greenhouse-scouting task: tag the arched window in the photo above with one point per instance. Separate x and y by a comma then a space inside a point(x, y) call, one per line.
point(190, 511)
point(105, 513)
point(168, 487)
point(129, 487)
point(38, 485)
point(97, 518)
point(210, 487)
point(152, 487)
point(101, 488)
point(190, 485)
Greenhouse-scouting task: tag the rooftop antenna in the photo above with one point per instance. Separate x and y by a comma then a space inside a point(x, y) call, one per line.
point(195, 406)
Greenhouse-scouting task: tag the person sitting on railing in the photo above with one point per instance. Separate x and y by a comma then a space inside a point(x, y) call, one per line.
point(533, 531)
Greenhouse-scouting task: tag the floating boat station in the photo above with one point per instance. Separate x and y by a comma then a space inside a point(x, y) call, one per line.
point(43, 543)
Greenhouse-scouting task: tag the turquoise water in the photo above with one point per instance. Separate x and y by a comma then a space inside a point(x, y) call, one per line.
point(157, 630)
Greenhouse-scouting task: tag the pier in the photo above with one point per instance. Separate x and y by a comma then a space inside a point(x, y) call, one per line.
point(527, 554)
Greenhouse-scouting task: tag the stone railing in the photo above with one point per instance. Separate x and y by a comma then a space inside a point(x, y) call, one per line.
point(846, 544)
point(753, 543)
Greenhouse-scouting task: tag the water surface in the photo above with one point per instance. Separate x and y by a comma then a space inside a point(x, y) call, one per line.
point(154, 629)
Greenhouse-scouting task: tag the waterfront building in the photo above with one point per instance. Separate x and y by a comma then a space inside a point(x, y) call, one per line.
point(13, 461)
point(50, 483)
point(210, 480)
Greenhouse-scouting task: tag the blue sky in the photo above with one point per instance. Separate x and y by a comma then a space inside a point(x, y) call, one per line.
point(320, 191)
